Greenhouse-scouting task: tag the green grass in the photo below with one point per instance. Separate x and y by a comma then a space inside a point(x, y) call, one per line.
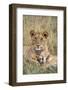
point(30, 67)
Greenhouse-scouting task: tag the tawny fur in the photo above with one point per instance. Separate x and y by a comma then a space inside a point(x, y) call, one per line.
point(39, 41)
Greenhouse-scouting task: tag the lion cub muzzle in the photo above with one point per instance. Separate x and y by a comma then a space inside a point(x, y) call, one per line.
point(38, 49)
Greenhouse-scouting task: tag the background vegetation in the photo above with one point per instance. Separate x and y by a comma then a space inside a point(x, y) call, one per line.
point(39, 23)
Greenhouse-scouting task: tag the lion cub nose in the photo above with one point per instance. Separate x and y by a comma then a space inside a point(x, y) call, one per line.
point(38, 45)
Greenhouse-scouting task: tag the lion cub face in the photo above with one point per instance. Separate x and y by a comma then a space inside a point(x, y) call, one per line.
point(39, 40)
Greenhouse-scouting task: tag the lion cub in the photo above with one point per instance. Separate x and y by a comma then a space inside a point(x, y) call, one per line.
point(38, 51)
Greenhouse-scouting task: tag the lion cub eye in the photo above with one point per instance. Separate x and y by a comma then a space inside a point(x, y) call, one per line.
point(41, 38)
point(35, 37)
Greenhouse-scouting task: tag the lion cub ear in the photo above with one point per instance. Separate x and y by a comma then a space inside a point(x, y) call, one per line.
point(32, 33)
point(45, 34)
